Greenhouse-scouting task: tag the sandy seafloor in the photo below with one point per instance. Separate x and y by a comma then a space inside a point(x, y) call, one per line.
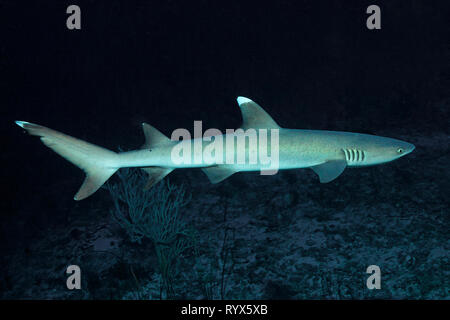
point(287, 237)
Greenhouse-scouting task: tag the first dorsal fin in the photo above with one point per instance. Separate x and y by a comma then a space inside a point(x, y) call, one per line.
point(153, 136)
point(254, 116)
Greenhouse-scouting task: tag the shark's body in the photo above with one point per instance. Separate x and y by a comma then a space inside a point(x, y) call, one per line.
point(328, 153)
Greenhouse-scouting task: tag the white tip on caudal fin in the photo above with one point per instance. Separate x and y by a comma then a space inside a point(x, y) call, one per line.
point(22, 123)
point(98, 163)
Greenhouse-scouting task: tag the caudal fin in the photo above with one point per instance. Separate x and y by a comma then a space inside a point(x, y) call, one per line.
point(98, 163)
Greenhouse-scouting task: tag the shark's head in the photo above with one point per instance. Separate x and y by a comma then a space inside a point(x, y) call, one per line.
point(383, 150)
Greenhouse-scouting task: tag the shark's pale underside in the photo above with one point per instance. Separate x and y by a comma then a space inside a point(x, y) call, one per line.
point(327, 153)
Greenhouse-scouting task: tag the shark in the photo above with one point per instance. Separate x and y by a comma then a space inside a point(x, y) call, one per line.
point(327, 153)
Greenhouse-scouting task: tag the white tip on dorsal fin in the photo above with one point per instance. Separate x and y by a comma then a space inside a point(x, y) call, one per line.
point(242, 100)
point(254, 116)
point(153, 136)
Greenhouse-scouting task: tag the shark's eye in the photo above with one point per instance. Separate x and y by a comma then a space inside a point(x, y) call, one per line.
point(400, 150)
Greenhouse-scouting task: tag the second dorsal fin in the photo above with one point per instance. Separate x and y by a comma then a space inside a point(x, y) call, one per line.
point(153, 136)
point(254, 116)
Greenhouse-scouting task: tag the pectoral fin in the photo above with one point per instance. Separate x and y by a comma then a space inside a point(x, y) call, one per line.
point(329, 170)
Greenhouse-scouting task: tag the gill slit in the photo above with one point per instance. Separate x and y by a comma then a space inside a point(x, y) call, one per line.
point(354, 155)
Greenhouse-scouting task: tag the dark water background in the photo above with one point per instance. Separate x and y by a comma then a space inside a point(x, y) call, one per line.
point(310, 64)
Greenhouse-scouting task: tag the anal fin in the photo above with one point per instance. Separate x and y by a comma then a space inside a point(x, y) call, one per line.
point(155, 174)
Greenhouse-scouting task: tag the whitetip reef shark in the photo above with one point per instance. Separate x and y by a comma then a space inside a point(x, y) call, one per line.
point(327, 153)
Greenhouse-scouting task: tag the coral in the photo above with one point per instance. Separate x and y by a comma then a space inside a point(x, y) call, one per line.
point(153, 214)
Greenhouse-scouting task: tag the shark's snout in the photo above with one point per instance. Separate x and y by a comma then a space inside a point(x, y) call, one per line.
point(409, 147)
point(404, 148)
